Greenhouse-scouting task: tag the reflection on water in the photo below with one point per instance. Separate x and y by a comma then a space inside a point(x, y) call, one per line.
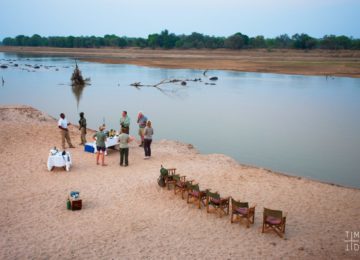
point(77, 90)
point(306, 126)
point(78, 83)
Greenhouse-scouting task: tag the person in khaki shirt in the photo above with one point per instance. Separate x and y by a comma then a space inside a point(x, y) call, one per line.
point(64, 131)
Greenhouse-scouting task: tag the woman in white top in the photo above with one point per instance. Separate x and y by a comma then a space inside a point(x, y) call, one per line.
point(148, 133)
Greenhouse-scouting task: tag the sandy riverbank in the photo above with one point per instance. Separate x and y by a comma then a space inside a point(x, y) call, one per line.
point(344, 63)
point(127, 216)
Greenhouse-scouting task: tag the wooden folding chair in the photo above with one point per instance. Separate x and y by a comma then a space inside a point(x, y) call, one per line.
point(221, 205)
point(181, 184)
point(196, 194)
point(274, 220)
point(241, 210)
point(169, 176)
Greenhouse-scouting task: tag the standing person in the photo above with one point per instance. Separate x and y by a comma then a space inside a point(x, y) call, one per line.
point(100, 138)
point(124, 140)
point(82, 128)
point(142, 124)
point(64, 131)
point(125, 122)
point(148, 133)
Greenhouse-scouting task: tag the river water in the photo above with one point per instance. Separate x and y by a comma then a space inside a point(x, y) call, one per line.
point(301, 125)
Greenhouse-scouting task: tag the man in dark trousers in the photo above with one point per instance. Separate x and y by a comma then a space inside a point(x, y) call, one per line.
point(124, 140)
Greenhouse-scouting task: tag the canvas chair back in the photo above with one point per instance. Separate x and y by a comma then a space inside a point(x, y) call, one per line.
point(213, 195)
point(273, 213)
point(193, 187)
point(238, 204)
point(176, 177)
point(187, 184)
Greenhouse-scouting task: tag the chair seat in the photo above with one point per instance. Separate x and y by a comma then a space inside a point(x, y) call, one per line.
point(273, 221)
point(180, 184)
point(242, 211)
point(215, 201)
point(194, 193)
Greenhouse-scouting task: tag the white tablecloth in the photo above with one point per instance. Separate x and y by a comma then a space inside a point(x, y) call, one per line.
point(56, 159)
point(110, 142)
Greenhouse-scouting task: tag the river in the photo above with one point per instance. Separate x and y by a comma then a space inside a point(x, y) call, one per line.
point(300, 125)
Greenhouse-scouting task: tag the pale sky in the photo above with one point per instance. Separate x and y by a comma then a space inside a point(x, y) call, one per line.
point(138, 18)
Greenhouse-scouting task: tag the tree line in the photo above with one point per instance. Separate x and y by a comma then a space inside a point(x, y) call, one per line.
point(166, 40)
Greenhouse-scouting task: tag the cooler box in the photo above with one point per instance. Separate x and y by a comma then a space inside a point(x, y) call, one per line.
point(89, 147)
point(76, 204)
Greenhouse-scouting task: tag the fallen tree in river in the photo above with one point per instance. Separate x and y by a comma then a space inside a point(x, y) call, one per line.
point(77, 78)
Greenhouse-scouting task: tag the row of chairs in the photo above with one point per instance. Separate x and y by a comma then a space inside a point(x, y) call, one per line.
point(272, 219)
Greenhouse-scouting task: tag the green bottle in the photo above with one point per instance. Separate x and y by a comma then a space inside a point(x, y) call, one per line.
point(68, 204)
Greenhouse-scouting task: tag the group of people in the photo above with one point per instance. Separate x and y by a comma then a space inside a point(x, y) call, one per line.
point(145, 132)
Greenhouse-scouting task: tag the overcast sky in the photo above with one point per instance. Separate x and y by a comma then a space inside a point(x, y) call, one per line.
point(138, 18)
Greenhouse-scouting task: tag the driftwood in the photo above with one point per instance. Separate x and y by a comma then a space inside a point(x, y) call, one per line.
point(182, 83)
point(165, 81)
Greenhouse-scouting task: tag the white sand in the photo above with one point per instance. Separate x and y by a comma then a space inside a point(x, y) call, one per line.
point(127, 215)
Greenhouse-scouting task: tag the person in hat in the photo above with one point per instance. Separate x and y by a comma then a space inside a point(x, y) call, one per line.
point(64, 131)
point(82, 128)
point(100, 138)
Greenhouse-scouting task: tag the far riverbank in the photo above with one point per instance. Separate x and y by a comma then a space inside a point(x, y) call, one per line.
point(342, 63)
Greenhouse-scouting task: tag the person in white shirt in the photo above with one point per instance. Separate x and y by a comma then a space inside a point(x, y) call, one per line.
point(64, 131)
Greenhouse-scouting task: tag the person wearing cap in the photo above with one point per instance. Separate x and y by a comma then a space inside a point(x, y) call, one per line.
point(142, 119)
point(100, 138)
point(125, 122)
point(64, 131)
point(82, 128)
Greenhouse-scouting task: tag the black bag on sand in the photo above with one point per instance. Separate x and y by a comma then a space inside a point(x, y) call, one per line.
point(163, 174)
